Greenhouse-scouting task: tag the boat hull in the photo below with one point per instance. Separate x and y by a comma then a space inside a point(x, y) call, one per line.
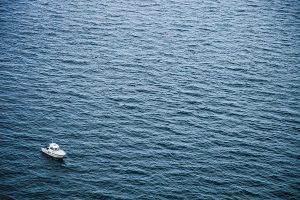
point(44, 150)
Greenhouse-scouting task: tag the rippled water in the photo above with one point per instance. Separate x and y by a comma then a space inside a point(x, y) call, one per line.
point(150, 99)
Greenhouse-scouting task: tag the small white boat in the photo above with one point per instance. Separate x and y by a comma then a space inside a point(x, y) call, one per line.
point(54, 151)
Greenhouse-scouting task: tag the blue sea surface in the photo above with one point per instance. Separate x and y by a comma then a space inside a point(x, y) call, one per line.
point(170, 99)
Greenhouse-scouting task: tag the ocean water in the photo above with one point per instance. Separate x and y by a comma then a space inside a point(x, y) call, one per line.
point(171, 99)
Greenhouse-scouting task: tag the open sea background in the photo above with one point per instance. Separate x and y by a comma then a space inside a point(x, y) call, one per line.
point(170, 99)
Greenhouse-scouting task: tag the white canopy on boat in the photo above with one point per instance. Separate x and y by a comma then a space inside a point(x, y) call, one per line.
point(53, 146)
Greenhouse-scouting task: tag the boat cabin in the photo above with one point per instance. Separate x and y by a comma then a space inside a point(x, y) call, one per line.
point(53, 147)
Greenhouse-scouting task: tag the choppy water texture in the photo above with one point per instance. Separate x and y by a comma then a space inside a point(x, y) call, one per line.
point(150, 99)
